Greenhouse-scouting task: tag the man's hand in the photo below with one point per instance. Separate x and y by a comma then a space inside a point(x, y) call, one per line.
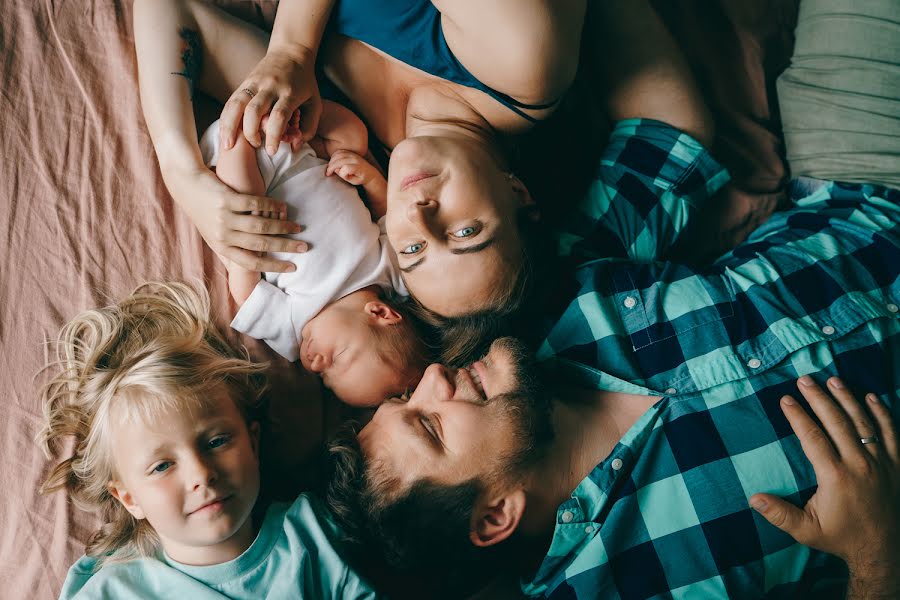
point(277, 86)
point(855, 513)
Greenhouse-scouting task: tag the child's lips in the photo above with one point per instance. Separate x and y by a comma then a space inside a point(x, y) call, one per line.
point(214, 506)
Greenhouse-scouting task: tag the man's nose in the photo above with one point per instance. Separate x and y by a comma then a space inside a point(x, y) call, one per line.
point(437, 380)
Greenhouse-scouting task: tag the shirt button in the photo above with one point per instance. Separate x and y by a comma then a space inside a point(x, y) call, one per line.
point(893, 308)
point(567, 516)
point(828, 330)
point(671, 391)
point(589, 529)
point(754, 363)
point(616, 464)
point(629, 302)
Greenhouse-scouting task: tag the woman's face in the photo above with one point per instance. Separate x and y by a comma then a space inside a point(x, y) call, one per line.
point(452, 220)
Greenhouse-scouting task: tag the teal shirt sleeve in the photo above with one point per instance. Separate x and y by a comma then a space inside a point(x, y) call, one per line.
point(650, 181)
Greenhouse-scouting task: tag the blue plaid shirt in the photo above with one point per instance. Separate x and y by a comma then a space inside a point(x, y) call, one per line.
point(813, 291)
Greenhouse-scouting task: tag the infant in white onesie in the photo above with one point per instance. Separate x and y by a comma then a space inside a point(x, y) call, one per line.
point(341, 312)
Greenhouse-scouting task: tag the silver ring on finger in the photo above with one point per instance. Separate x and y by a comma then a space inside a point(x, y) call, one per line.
point(872, 439)
point(249, 92)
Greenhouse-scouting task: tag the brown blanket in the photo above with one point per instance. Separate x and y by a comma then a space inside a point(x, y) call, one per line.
point(86, 217)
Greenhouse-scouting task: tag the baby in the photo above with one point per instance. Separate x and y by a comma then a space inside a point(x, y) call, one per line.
point(166, 451)
point(337, 311)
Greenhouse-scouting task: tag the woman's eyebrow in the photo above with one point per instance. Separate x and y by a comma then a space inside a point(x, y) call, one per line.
point(473, 248)
point(467, 250)
point(412, 266)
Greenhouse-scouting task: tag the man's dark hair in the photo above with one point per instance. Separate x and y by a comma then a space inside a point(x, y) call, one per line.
point(423, 531)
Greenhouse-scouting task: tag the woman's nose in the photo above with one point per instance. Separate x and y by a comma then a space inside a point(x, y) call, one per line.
point(420, 211)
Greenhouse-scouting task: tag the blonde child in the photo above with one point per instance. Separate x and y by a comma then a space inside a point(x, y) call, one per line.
point(341, 312)
point(161, 410)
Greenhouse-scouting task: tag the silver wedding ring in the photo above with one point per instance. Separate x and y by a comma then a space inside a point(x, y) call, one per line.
point(249, 92)
point(869, 440)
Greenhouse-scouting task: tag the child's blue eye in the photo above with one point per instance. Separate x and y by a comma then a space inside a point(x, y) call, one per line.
point(218, 441)
point(413, 249)
point(162, 467)
point(464, 232)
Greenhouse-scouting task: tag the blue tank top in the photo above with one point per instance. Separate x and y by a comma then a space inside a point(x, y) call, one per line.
point(410, 31)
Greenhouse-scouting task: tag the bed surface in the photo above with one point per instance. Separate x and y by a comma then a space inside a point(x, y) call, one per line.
point(86, 217)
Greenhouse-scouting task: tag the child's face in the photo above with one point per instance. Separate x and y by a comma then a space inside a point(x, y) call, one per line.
point(346, 345)
point(194, 476)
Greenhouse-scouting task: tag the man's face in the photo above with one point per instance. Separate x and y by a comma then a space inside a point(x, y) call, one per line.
point(458, 424)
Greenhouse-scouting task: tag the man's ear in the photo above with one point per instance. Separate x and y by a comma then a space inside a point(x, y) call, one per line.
point(383, 314)
point(253, 429)
point(118, 491)
point(495, 519)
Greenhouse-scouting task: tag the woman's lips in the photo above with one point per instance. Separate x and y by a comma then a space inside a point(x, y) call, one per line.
point(411, 180)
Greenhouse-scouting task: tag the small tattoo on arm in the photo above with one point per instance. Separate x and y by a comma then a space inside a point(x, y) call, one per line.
point(192, 57)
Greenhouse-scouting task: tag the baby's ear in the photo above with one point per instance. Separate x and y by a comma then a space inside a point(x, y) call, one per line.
point(118, 491)
point(383, 314)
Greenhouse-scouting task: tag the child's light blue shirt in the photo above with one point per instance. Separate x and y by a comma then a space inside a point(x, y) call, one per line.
point(292, 557)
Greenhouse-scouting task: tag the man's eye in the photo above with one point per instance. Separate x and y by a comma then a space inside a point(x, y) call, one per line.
point(464, 232)
point(218, 441)
point(429, 427)
point(162, 467)
point(413, 249)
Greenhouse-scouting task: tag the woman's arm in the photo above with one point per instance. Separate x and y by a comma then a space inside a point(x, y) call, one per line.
point(283, 80)
point(183, 44)
point(527, 49)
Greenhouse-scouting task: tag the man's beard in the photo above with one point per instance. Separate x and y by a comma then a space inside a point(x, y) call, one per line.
point(528, 407)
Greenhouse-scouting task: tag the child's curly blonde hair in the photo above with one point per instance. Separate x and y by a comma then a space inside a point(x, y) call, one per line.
point(154, 351)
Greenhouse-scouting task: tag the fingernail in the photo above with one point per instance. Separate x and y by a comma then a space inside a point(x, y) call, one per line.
point(759, 504)
point(805, 381)
point(872, 398)
point(836, 383)
point(789, 401)
point(302, 247)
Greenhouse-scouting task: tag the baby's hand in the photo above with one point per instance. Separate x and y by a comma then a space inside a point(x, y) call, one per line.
point(351, 167)
point(292, 134)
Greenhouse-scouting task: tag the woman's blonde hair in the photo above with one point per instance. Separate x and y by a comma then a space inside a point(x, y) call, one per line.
point(156, 350)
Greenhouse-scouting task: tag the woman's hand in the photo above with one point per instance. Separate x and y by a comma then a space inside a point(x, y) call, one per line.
point(226, 221)
point(855, 513)
point(281, 82)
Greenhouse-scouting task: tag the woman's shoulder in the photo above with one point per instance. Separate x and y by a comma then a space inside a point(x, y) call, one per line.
point(497, 43)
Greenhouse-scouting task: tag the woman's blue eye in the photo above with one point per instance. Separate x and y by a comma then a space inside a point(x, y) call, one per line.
point(162, 467)
point(413, 249)
point(218, 441)
point(464, 232)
